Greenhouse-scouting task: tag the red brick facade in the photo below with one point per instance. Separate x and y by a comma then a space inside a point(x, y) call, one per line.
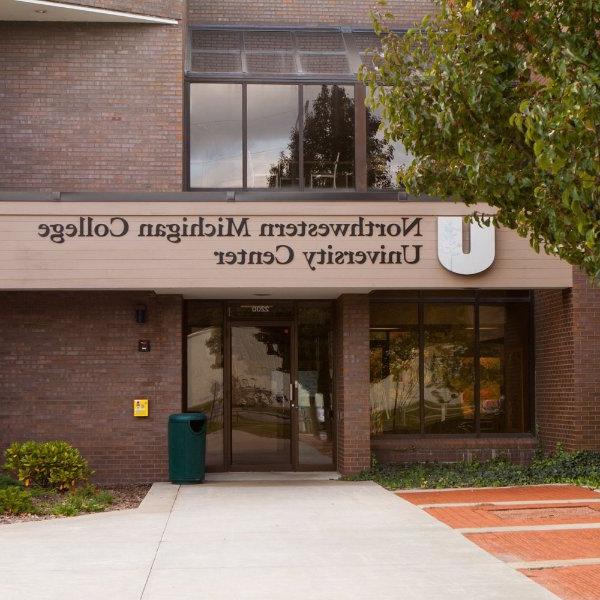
point(93, 107)
point(407, 449)
point(70, 369)
point(169, 9)
point(567, 325)
point(352, 384)
point(292, 12)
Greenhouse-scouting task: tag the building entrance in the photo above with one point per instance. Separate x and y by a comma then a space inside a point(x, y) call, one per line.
point(263, 374)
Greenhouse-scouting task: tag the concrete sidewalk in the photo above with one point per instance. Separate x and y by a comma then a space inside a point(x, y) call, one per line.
point(259, 540)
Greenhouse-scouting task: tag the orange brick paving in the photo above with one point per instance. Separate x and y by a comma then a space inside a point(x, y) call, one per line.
point(569, 583)
point(542, 492)
point(490, 515)
point(540, 545)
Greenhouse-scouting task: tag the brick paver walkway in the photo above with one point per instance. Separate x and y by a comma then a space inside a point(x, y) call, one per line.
point(541, 545)
point(528, 527)
point(511, 494)
point(491, 515)
point(570, 583)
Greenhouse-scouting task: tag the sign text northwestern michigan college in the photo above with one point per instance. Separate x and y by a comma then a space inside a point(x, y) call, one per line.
point(404, 234)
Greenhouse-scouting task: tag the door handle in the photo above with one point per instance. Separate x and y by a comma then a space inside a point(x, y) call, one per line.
point(292, 405)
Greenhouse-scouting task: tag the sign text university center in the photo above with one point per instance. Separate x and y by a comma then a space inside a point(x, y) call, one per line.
point(186, 238)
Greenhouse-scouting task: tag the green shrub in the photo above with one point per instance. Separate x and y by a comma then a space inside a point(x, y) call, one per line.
point(8, 481)
point(47, 464)
point(84, 500)
point(14, 500)
point(579, 468)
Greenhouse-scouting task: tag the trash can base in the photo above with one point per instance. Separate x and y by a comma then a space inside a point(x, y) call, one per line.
point(187, 482)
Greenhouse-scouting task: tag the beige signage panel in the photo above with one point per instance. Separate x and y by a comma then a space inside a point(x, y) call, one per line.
point(398, 250)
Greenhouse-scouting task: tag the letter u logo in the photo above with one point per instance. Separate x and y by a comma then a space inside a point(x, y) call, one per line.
point(450, 246)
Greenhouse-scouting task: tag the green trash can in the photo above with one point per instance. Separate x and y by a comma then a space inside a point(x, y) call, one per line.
point(187, 447)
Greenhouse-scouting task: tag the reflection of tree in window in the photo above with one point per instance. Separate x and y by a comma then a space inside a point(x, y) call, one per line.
point(449, 368)
point(379, 155)
point(329, 143)
point(397, 361)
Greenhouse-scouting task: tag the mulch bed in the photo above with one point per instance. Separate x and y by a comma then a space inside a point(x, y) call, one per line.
point(125, 497)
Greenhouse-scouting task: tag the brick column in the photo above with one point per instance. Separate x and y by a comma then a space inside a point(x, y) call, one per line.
point(567, 326)
point(352, 384)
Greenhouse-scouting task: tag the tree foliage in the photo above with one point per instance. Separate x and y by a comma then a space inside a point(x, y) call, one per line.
point(499, 102)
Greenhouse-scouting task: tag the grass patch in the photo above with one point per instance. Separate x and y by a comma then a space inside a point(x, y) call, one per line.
point(15, 499)
point(85, 500)
point(8, 481)
point(579, 468)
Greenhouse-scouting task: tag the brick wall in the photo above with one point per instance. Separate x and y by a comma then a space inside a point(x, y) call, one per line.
point(170, 9)
point(352, 383)
point(70, 369)
point(94, 107)
point(568, 365)
point(406, 449)
point(554, 377)
point(586, 336)
point(293, 12)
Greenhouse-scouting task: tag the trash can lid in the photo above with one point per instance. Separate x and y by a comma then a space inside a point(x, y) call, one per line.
point(187, 417)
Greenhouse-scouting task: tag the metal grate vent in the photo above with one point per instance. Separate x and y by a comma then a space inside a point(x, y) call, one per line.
point(293, 52)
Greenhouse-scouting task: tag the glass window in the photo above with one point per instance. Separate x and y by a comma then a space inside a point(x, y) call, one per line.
point(328, 136)
point(273, 135)
point(503, 358)
point(205, 373)
point(216, 135)
point(315, 385)
point(394, 367)
point(384, 158)
point(444, 336)
point(449, 368)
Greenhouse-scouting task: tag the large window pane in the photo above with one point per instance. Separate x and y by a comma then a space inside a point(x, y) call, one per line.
point(315, 385)
point(216, 135)
point(449, 368)
point(205, 373)
point(273, 136)
point(504, 341)
point(394, 368)
point(328, 136)
point(384, 158)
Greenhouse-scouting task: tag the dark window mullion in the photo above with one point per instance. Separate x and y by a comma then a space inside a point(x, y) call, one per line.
point(301, 137)
point(360, 139)
point(421, 367)
point(477, 383)
point(245, 135)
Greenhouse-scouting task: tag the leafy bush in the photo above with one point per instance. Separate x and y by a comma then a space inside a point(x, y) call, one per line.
point(579, 468)
point(8, 481)
point(14, 500)
point(48, 464)
point(84, 500)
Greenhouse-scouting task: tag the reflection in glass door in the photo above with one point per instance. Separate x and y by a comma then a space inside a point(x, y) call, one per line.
point(261, 395)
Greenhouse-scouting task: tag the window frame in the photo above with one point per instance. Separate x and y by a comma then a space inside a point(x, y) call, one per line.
point(354, 56)
point(476, 298)
point(360, 162)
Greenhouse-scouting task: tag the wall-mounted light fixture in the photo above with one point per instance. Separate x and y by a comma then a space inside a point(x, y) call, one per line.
point(140, 313)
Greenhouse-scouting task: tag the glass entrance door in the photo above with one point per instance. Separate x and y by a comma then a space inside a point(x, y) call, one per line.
point(262, 396)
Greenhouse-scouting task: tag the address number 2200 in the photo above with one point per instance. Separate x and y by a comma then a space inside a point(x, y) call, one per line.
point(261, 309)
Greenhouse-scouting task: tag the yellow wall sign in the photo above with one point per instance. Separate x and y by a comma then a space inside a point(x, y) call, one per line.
point(140, 408)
